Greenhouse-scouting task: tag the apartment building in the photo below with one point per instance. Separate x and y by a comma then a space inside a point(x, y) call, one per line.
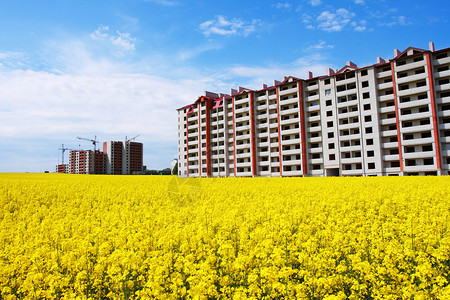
point(86, 162)
point(390, 118)
point(124, 158)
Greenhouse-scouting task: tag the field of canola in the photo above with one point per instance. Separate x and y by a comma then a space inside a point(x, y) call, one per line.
point(160, 237)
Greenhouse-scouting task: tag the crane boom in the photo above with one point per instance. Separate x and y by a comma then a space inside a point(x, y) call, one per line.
point(94, 141)
point(133, 138)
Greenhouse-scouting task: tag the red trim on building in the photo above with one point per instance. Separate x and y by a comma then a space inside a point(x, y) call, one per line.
point(234, 138)
point(252, 131)
point(433, 112)
point(302, 126)
point(400, 155)
point(279, 132)
point(199, 140)
point(187, 145)
point(208, 138)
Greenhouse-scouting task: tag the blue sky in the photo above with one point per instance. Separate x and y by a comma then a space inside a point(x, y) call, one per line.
point(113, 68)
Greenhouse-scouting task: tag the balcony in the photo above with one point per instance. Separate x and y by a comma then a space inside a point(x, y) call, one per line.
point(384, 74)
point(314, 140)
point(289, 111)
point(352, 172)
point(386, 97)
point(417, 128)
point(241, 101)
point(414, 90)
point(387, 109)
point(442, 74)
point(316, 161)
point(415, 116)
point(242, 137)
point(391, 157)
point(291, 162)
point(312, 88)
point(442, 87)
point(291, 152)
point(352, 160)
point(389, 121)
point(385, 85)
point(290, 121)
point(441, 61)
point(410, 66)
point(418, 155)
point(388, 133)
point(411, 78)
point(445, 100)
point(312, 98)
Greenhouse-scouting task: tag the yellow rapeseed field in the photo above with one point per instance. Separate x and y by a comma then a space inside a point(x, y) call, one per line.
point(160, 237)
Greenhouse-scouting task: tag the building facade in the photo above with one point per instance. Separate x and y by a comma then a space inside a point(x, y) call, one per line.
point(390, 118)
point(86, 162)
point(124, 158)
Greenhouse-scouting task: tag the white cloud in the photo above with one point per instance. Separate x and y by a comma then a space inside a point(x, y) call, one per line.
point(11, 59)
point(282, 5)
point(195, 51)
point(330, 22)
point(336, 21)
point(86, 96)
point(397, 20)
point(316, 2)
point(253, 77)
point(123, 42)
point(321, 45)
point(359, 1)
point(221, 26)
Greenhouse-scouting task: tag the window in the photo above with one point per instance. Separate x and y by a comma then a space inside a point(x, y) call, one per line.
point(332, 157)
point(366, 95)
point(364, 73)
point(428, 161)
point(369, 130)
point(369, 142)
point(331, 146)
point(330, 124)
point(407, 124)
point(408, 136)
point(425, 122)
point(371, 166)
point(410, 162)
point(404, 87)
point(426, 148)
point(410, 149)
point(328, 92)
point(370, 153)
point(367, 118)
point(365, 84)
point(423, 109)
point(421, 83)
point(406, 111)
point(329, 113)
point(395, 164)
point(425, 135)
point(327, 81)
point(328, 102)
point(367, 106)
point(330, 135)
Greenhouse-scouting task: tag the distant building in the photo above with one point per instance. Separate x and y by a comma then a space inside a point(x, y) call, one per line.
point(63, 168)
point(87, 162)
point(124, 158)
point(390, 118)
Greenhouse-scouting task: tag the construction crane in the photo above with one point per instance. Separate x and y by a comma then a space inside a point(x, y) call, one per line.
point(133, 138)
point(62, 151)
point(94, 141)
